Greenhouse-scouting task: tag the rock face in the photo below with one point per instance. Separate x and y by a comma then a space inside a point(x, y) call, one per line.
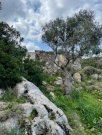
point(48, 120)
point(49, 59)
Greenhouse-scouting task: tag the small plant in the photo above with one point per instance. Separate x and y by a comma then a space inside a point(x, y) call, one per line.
point(52, 116)
point(50, 79)
point(10, 96)
point(33, 114)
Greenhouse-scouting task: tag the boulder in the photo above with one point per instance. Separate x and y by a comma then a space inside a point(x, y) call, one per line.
point(48, 119)
point(77, 65)
point(77, 77)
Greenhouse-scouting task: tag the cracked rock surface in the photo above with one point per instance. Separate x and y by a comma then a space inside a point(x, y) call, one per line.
point(47, 118)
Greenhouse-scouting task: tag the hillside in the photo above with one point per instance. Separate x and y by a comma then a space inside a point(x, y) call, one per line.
point(57, 92)
point(83, 107)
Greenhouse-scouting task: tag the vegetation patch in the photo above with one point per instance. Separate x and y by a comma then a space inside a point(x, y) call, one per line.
point(33, 114)
point(83, 109)
point(9, 96)
point(14, 131)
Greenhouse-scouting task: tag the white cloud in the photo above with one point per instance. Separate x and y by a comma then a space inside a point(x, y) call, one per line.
point(31, 47)
point(29, 15)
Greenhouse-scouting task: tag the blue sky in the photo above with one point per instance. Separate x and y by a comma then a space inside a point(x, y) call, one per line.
point(28, 16)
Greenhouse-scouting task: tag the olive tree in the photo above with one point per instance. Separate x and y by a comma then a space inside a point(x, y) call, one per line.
point(73, 37)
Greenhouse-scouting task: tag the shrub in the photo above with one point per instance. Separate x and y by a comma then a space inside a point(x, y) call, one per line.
point(13, 63)
point(11, 56)
point(88, 70)
point(95, 62)
point(33, 71)
point(9, 96)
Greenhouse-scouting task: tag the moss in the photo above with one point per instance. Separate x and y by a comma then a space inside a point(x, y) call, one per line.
point(33, 114)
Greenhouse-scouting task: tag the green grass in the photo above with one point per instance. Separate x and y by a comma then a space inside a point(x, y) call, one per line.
point(89, 108)
point(10, 96)
point(50, 79)
point(82, 104)
point(83, 107)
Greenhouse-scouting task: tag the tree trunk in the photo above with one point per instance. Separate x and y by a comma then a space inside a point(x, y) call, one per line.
point(67, 81)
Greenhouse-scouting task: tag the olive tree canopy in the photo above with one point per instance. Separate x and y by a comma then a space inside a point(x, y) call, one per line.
point(74, 37)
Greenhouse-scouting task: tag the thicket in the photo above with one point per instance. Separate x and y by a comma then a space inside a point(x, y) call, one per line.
point(13, 60)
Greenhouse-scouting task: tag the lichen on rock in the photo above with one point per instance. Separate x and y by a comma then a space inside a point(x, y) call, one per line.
point(50, 120)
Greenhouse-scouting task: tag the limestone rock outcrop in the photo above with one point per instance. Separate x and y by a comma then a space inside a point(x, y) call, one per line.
point(49, 119)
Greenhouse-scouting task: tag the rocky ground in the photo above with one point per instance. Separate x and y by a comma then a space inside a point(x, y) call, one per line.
point(46, 111)
point(84, 106)
point(38, 116)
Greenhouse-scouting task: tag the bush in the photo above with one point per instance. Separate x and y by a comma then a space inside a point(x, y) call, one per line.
point(95, 62)
point(13, 63)
point(9, 96)
point(11, 56)
point(33, 71)
point(88, 70)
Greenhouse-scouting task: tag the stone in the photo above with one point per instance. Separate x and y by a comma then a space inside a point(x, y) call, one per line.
point(52, 94)
point(49, 119)
point(59, 81)
point(44, 83)
point(49, 59)
point(9, 124)
point(3, 105)
point(77, 65)
point(77, 77)
point(61, 59)
point(48, 86)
